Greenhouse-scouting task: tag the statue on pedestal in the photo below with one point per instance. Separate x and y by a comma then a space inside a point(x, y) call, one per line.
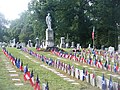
point(49, 32)
point(48, 21)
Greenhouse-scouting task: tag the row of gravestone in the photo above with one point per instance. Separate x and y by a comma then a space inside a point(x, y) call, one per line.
point(62, 44)
point(82, 75)
point(66, 45)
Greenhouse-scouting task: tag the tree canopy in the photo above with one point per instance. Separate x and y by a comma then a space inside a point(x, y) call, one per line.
point(72, 18)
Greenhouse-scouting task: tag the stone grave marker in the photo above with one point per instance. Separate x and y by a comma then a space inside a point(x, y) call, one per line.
point(92, 80)
point(62, 42)
point(99, 81)
point(77, 73)
point(78, 46)
point(81, 75)
point(72, 45)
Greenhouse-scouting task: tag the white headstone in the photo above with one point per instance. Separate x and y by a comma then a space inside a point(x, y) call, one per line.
point(37, 45)
point(89, 46)
point(92, 80)
point(67, 45)
point(43, 86)
point(99, 81)
point(81, 75)
point(119, 48)
point(72, 46)
point(78, 46)
point(22, 44)
point(111, 49)
point(62, 42)
point(72, 71)
point(76, 72)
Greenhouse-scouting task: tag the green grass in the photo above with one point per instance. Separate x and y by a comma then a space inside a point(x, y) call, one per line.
point(55, 82)
point(6, 82)
point(80, 66)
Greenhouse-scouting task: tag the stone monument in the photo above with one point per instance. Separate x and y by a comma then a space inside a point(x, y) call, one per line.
point(62, 42)
point(49, 32)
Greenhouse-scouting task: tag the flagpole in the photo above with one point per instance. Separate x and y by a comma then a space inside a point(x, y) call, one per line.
point(93, 36)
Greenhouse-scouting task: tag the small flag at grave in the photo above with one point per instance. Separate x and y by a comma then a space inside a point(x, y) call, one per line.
point(47, 87)
point(110, 86)
point(26, 73)
point(32, 78)
point(21, 66)
point(37, 84)
point(103, 83)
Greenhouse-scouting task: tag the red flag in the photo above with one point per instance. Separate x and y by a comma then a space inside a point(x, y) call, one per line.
point(21, 66)
point(32, 78)
point(26, 73)
point(27, 76)
point(37, 84)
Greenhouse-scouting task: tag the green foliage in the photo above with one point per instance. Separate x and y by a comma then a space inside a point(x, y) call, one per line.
point(74, 18)
point(3, 32)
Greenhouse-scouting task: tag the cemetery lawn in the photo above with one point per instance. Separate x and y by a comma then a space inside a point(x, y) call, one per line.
point(6, 82)
point(55, 82)
point(78, 65)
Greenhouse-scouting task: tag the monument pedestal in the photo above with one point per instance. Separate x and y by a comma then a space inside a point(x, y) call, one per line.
point(49, 38)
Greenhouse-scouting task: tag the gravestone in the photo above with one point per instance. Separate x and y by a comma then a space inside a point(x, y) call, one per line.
point(111, 49)
point(72, 71)
point(67, 45)
point(22, 44)
point(72, 45)
point(99, 81)
point(81, 75)
point(37, 45)
point(119, 48)
point(115, 86)
point(43, 44)
point(43, 86)
point(107, 82)
point(17, 45)
point(62, 42)
point(49, 32)
point(63, 67)
point(29, 43)
point(92, 80)
point(78, 46)
point(102, 47)
point(77, 73)
point(0, 44)
point(12, 43)
point(89, 45)
point(88, 78)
